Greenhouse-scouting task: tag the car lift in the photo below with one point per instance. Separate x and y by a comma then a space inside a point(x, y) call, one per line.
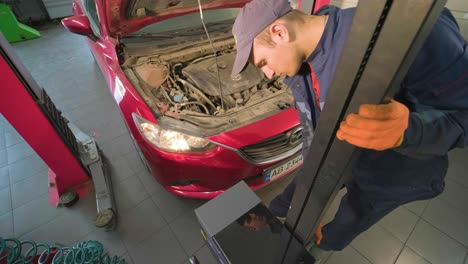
point(72, 156)
point(384, 39)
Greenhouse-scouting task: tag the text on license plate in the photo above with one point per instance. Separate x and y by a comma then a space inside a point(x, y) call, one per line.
point(282, 169)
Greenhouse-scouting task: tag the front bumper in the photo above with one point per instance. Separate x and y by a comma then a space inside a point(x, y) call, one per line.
point(206, 175)
point(202, 176)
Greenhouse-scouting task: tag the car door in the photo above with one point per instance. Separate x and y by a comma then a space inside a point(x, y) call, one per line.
point(102, 45)
point(91, 11)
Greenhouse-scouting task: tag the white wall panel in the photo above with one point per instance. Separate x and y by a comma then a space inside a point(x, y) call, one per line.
point(459, 9)
point(58, 8)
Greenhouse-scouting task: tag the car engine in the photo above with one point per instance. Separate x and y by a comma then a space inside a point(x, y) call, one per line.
point(185, 86)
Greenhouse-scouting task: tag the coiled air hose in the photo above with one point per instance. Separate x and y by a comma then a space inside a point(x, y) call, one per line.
point(90, 252)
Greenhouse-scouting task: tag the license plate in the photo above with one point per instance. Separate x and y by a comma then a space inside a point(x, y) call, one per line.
point(284, 168)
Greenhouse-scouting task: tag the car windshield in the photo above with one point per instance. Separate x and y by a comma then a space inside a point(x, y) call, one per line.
point(190, 24)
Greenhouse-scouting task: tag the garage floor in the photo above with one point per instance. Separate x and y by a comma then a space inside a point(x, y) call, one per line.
point(155, 226)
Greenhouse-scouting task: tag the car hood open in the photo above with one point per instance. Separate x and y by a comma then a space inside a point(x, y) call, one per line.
point(126, 16)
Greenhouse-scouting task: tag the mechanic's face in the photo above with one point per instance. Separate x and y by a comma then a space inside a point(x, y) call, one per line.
point(282, 58)
point(256, 223)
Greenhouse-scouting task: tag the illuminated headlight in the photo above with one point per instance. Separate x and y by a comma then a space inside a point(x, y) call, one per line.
point(170, 140)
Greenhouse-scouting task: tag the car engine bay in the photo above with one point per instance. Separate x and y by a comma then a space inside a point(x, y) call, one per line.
point(182, 83)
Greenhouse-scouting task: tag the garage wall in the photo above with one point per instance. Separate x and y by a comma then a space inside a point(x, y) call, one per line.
point(58, 8)
point(28, 11)
point(459, 10)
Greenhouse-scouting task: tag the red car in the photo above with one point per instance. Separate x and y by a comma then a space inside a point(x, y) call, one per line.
point(199, 129)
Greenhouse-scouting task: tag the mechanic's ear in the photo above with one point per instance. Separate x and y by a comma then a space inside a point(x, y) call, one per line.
point(279, 33)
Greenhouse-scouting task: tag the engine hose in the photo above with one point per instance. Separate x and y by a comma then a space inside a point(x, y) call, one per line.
point(173, 68)
point(165, 94)
point(173, 82)
point(202, 58)
point(196, 103)
point(201, 94)
point(90, 252)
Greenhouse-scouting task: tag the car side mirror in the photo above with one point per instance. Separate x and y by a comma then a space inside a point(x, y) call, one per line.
point(78, 25)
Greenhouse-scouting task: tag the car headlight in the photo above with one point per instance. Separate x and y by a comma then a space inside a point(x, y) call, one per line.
point(170, 140)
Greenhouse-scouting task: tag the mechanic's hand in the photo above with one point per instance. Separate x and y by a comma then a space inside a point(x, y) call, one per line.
point(318, 234)
point(377, 127)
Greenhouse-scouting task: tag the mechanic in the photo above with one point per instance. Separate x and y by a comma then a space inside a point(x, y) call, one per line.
point(405, 142)
point(257, 218)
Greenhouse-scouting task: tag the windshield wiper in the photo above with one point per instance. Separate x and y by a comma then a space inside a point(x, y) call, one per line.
point(150, 35)
point(164, 35)
point(216, 26)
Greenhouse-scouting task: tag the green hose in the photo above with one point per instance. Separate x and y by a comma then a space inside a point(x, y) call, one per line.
point(90, 252)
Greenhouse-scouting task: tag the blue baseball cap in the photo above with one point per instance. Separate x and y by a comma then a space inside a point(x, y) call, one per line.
point(253, 18)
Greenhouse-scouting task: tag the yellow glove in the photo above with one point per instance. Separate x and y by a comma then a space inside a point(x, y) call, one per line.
point(377, 127)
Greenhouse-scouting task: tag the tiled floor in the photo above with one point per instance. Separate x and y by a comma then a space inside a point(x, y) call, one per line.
point(155, 226)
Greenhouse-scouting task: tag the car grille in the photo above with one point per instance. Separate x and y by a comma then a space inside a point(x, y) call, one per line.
point(275, 148)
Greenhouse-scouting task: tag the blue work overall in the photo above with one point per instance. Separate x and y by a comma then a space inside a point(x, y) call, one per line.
point(435, 90)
